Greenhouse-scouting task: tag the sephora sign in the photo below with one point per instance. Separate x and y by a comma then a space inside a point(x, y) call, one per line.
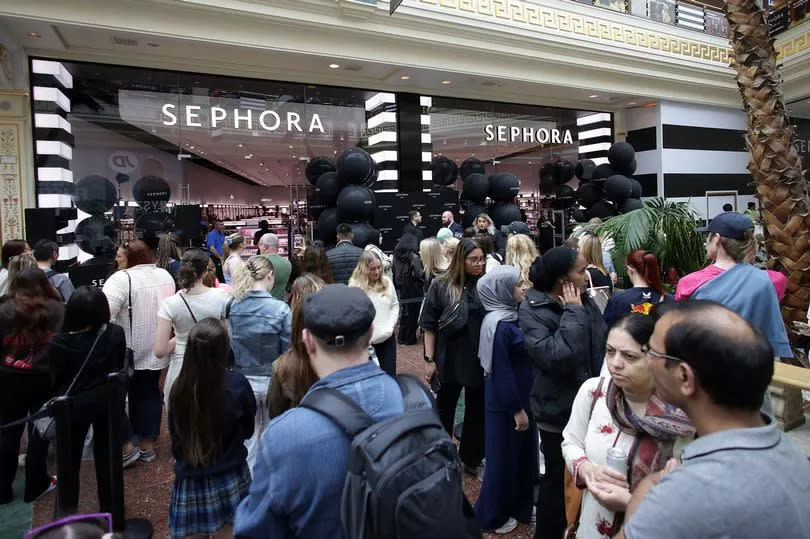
point(214, 117)
point(513, 133)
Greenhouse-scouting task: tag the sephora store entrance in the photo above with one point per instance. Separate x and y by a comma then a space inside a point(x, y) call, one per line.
point(139, 152)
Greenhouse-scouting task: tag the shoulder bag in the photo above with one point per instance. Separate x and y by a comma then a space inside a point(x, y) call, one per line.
point(454, 317)
point(46, 426)
point(599, 294)
point(129, 355)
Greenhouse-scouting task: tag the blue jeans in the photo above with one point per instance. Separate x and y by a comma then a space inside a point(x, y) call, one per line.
point(145, 407)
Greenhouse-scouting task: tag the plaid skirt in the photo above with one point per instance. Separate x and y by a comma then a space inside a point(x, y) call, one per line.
point(204, 505)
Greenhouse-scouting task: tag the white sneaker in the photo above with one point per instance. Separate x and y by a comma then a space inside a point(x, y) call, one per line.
point(509, 526)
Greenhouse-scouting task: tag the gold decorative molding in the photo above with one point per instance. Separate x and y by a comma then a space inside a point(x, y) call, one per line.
point(11, 203)
point(520, 11)
point(792, 47)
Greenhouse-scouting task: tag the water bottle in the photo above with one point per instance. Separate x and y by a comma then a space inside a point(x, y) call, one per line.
point(617, 460)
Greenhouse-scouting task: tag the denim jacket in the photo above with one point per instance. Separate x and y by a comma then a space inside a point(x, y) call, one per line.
point(299, 472)
point(260, 328)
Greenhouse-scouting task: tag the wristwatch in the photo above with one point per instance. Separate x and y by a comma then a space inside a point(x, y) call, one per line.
point(428, 359)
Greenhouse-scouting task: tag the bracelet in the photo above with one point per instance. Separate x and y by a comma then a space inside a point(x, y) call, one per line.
point(428, 359)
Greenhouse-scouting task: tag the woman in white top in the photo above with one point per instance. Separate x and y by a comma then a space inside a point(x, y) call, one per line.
point(140, 287)
point(623, 412)
point(368, 276)
point(192, 303)
point(232, 249)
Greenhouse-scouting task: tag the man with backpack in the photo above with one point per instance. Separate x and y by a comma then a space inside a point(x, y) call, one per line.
point(47, 253)
point(364, 455)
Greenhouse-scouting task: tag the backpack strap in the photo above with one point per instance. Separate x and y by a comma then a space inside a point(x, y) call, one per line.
point(339, 408)
point(413, 393)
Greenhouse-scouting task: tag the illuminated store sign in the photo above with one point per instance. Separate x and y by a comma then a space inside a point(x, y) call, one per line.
point(269, 120)
point(513, 133)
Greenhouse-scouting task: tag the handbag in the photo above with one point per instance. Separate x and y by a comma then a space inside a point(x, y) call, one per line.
point(599, 294)
point(454, 318)
point(572, 493)
point(46, 426)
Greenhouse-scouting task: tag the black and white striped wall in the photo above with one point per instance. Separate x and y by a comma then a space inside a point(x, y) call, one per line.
point(694, 153)
point(54, 144)
point(427, 144)
point(383, 144)
point(595, 135)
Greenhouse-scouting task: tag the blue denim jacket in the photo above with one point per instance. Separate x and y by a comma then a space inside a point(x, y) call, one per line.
point(260, 327)
point(299, 472)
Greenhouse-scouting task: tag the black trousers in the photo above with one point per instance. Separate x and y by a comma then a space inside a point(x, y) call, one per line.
point(387, 355)
point(145, 407)
point(22, 395)
point(471, 449)
point(551, 496)
point(408, 321)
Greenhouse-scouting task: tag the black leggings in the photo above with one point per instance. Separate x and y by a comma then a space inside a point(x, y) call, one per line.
point(471, 449)
point(551, 496)
point(387, 355)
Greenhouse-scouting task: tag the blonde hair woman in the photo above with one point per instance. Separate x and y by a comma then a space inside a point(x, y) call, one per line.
point(521, 252)
point(449, 249)
point(485, 225)
point(19, 263)
point(232, 249)
point(260, 328)
point(434, 262)
point(591, 249)
point(368, 276)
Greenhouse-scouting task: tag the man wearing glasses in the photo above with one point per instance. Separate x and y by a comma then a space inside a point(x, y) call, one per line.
point(742, 477)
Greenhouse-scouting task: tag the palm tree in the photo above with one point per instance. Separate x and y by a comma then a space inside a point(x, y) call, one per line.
point(774, 163)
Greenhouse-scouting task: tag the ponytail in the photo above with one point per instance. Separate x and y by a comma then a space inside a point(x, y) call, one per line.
point(232, 243)
point(193, 268)
point(646, 264)
point(245, 275)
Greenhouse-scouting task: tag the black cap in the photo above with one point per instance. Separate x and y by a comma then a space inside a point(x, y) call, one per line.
point(516, 227)
point(338, 314)
point(729, 225)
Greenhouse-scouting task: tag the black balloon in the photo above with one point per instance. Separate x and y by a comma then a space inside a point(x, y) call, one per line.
point(97, 236)
point(631, 204)
point(602, 209)
point(150, 226)
point(327, 226)
point(327, 188)
point(94, 194)
point(618, 189)
point(355, 204)
point(565, 197)
point(580, 216)
point(546, 171)
point(503, 214)
point(151, 189)
point(637, 191)
point(584, 169)
point(476, 188)
point(602, 171)
point(621, 153)
point(444, 170)
point(364, 234)
point(317, 167)
point(547, 185)
point(504, 187)
point(355, 167)
point(627, 169)
point(589, 194)
point(472, 166)
point(563, 171)
point(471, 212)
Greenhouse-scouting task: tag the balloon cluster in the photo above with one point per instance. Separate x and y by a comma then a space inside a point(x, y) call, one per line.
point(346, 192)
point(607, 189)
point(96, 234)
point(152, 194)
point(500, 188)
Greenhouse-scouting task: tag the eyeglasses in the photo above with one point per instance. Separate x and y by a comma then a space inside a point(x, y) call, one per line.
point(646, 350)
point(476, 259)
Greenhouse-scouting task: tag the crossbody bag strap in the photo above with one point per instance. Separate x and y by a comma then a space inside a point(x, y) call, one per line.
point(129, 304)
point(101, 332)
point(187, 307)
point(596, 395)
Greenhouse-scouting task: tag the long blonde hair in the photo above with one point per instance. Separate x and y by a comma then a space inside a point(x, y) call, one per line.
point(449, 249)
point(232, 244)
point(591, 249)
point(488, 219)
point(360, 280)
point(433, 260)
point(521, 252)
point(19, 263)
point(245, 275)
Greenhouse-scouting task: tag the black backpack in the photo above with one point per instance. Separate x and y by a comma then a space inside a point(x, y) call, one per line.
point(404, 475)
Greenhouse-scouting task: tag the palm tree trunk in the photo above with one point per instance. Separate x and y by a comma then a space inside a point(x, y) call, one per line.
point(774, 163)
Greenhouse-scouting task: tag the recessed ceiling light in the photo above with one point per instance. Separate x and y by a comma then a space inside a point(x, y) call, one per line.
point(632, 103)
point(593, 96)
point(405, 77)
point(191, 147)
point(152, 44)
point(334, 66)
point(241, 145)
point(446, 82)
point(34, 34)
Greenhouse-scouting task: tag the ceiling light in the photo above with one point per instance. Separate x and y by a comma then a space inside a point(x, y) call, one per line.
point(241, 145)
point(152, 44)
point(593, 96)
point(632, 103)
point(191, 147)
point(291, 147)
point(446, 82)
point(34, 34)
point(405, 77)
point(334, 66)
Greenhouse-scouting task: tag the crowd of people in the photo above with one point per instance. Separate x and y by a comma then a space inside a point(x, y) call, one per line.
point(592, 407)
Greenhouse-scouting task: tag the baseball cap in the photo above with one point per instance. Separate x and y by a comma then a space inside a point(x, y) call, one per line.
point(729, 225)
point(516, 227)
point(338, 314)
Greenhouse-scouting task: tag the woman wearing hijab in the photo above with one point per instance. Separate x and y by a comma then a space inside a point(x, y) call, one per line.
point(511, 443)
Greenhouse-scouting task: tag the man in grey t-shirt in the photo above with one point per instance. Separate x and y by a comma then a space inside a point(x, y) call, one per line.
point(742, 477)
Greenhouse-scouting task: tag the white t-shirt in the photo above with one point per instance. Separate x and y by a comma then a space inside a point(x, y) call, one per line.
point(210, 304)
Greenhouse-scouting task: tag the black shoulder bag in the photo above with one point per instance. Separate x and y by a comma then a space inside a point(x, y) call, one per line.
point(453, 319)
point(129, 357)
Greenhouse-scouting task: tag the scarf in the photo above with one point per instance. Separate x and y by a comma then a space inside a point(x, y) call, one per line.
point(654, 433)
point(496, 289)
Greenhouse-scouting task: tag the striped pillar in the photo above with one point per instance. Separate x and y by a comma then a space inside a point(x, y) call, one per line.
point(643, 131)
point(595, 135)
point(691, 17)
point(383, 145)
point(54, 143)
point(427, 144)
